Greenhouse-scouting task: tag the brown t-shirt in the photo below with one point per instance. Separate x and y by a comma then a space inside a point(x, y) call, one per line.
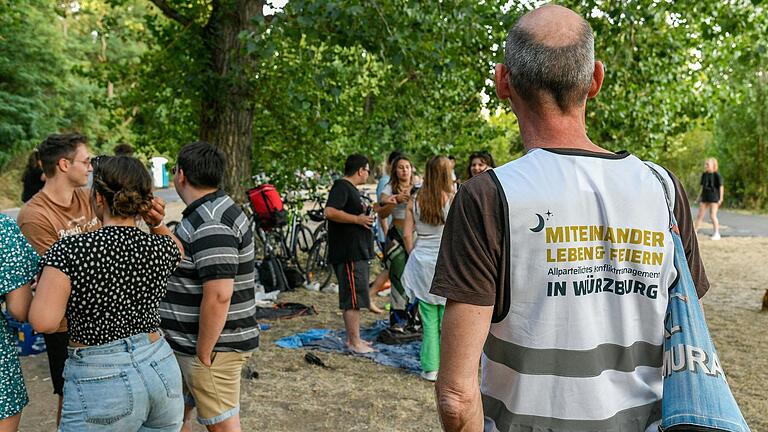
point(43, 222)
point(473, 263)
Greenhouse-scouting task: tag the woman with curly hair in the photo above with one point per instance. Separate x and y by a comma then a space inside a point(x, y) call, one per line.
point(121, 374)
point(479, 162)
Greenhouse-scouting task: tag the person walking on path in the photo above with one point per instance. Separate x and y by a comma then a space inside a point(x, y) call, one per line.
point(120, 374)
point(545, 288)
point(427, 214)
point(208, 313)
point(711, 198)
point(18, 266)
point(350, 246)
point(61, 209)
point(394, 201)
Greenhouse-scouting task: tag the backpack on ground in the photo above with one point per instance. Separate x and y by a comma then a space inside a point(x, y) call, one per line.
point(267, 206)
point(403, 327)
point(272, 275)
point(294, 277)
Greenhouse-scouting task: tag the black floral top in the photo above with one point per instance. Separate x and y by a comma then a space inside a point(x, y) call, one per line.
point(118, 276)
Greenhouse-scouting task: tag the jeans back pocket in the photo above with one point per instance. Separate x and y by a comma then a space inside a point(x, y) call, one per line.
point(167, 369)
point(106, 399)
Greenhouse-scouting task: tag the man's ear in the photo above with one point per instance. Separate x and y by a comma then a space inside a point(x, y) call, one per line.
point(63, 164)
point(597, 80)
point(501, 76)
point(182, 179)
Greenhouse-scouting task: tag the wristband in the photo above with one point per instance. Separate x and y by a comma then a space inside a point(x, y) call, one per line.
point(155, 226)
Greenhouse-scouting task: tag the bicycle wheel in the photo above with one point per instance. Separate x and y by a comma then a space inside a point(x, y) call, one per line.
point(304, 238)
point(319, 271)
point(320, 230)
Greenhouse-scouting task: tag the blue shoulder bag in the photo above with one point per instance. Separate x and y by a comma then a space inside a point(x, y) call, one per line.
point(696, 396)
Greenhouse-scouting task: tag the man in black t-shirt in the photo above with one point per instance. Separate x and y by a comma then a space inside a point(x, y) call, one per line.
point(350, 246)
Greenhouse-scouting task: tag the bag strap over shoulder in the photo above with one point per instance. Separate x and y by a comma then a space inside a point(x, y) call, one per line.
point(667, 196)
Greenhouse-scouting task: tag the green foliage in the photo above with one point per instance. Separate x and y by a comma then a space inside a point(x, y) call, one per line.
point(685, 157)
point(381, 76)
point(741, 139)
point(665, 64)
point(39, 93)
point(57, 64)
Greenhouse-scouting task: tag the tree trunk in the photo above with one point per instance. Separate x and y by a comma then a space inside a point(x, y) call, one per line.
point(227, 106)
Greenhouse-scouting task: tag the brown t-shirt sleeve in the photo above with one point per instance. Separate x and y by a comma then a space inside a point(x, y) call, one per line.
point(38, 230)
point(470, 265)
point(688, 236)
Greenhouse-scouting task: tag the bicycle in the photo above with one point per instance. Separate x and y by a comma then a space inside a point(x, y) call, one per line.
point(319, 270)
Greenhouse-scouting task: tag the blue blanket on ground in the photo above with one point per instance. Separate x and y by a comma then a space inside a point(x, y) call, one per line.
point(404, 356)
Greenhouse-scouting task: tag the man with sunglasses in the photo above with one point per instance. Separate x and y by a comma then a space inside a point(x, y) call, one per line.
point(61, 208)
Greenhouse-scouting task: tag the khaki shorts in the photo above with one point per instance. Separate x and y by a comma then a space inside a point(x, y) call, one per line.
point(214, 391)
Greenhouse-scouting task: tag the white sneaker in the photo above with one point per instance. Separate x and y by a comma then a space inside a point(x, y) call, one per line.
point(715, 236)
point(384, 293)
point(331, 288)
point(429, 376)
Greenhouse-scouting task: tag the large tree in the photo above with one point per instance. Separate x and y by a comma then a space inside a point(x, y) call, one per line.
point(225, 91)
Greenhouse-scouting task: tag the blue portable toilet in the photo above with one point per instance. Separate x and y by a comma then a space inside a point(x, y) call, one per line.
point(159, 171)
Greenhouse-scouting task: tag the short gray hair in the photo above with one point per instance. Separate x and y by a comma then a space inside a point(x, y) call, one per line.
point(564, 72)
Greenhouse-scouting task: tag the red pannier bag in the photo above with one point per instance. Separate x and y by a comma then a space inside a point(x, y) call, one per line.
point(268, 206)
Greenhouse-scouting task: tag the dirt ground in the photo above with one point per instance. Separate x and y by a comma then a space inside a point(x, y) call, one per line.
point(359, 395)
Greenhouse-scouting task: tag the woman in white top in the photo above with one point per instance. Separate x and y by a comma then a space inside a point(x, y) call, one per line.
point(427, 213)
point(394, 202)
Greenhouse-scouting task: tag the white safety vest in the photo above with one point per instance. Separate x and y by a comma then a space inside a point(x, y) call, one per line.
point(579, 347)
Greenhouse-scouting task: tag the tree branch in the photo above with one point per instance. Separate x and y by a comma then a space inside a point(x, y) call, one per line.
point(171, 13)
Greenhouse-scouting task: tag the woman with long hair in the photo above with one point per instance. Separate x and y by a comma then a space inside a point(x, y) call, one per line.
point(712, 193)
point(18, 265)
point(426, 214)
point(479, 162)
point(121, 374)
point(394, 202)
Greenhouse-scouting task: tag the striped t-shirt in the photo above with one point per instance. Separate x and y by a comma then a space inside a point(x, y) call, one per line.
point(218, 244)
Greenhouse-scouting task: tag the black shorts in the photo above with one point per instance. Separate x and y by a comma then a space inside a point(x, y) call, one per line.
point(56, 348)
point(353, 285)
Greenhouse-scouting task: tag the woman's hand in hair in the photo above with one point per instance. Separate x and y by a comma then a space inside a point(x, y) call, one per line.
point(156, 214)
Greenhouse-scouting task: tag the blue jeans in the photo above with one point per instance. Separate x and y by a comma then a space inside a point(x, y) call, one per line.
point(125, 385)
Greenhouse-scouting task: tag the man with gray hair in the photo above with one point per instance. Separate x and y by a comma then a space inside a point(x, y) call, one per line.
point(556, 265)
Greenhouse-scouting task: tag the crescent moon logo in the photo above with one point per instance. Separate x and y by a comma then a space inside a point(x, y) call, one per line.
point(540, 226)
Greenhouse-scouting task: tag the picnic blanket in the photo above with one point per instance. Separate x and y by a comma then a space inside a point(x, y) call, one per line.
point(404, 356)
